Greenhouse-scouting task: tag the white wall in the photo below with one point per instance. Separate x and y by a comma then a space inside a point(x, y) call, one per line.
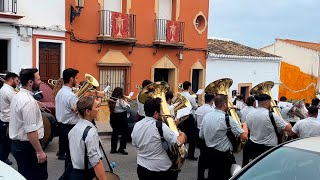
point(244, 71)
point(46, 13)
point(307, 60)
point(19, 52)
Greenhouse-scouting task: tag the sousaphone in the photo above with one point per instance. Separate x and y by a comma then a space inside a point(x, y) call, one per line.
point(221, 86)
point(158, 90)
point(265, 88)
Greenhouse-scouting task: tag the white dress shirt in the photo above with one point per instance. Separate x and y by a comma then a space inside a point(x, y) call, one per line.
point(140, 108)
point(261, 128)
point(245, 111)
point(66, 102)
point(25, 116)
point(191, 99)
point(146, 137)
point(76, 145)
point(308, 127)
point(201, 112)
point(6, 94)
point(214, 130)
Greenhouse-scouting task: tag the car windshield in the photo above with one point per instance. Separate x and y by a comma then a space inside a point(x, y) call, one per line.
point(285, 163)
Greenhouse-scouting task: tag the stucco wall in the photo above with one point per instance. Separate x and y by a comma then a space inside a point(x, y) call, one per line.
point(243, 71)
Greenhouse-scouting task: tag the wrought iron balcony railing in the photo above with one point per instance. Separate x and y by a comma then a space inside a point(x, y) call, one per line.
point(8, 6)
point(117, 26)
point(169, 32)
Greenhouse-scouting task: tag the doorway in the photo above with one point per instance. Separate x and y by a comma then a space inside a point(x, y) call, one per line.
point(49, 60)
point(244, 89)
point(3, 55)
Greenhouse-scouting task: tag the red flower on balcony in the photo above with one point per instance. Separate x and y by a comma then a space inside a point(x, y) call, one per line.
point(120, 24)
point(173, 31)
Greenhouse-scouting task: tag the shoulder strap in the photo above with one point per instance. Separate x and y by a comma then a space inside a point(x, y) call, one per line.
point(84, 136)
point(274, 125)
point(159, 126)
point(227, 121)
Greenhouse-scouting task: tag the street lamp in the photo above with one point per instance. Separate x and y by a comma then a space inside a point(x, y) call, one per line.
point(79, 4)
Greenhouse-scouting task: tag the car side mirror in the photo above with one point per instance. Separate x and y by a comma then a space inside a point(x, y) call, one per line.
point(235, 168)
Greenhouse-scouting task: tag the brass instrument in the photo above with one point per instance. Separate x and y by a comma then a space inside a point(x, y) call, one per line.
point(179, 103)
point(298, 109)
point(265, 88)
point(88, 85)
point(180, 86)
point(158, 90)
point(222, 86)
point(139, 87)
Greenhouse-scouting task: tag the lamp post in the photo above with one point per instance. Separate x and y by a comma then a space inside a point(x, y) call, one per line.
point(79, 4)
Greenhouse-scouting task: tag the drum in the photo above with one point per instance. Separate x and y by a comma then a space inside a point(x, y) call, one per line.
point(49, 124)
point(110, 176)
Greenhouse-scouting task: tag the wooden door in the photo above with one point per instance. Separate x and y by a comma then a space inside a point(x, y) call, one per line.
point(49, 61)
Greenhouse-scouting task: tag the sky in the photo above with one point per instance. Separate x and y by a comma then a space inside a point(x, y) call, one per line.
point(257, 23)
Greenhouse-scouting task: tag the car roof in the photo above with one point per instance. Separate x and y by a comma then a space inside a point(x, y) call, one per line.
point(310, 144)
point(7, 172)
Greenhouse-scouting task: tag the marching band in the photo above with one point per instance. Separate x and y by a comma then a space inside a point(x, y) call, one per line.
point(165, 124)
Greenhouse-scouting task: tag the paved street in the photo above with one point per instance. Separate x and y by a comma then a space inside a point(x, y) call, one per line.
point(126, 165)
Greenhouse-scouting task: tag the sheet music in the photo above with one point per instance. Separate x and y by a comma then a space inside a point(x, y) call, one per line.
point(131, 94)
point(183, 112)
point(200, 91)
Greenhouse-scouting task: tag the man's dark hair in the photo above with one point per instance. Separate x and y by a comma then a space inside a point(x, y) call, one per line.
point(69, 73)
point(26, 75)
point(313, 110)
point(186, 85)
point(220, 99)
point(307, 105)
point(146, 83)
point(208, 97)
point(250, 101)
point(240, 97)
point(315, 102)
point(10, 75)
point(169, 95)
point(283, 98)
point(152, 105)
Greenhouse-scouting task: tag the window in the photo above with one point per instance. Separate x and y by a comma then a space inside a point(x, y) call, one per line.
point(284, 164)
point(3, 55)
point(115, 77)
point(195, 79)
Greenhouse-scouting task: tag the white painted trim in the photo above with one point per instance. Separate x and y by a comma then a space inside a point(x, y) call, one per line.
point(233, 57)
point(62, 51)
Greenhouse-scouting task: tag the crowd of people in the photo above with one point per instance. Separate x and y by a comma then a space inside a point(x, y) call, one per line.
point(209, 127)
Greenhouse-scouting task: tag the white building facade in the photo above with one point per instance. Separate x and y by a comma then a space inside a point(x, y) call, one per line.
point(243, 65)
point(31, 33)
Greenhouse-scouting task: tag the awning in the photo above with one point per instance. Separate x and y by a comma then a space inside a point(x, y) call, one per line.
point(114, 58)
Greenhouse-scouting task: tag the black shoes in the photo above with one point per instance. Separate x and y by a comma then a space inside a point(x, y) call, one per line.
point(62, 157)
point(8, 162)
point(113, 151)
point(192, 158)
point(122, 151)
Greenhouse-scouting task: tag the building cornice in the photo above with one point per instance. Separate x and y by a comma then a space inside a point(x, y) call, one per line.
point(245, 58)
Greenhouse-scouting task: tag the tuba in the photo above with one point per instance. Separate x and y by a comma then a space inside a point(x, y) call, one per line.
point(180, 102)
point(265, 88)
point(222, 86)
point(87, 85)
point(298, 109)
point(158, 90)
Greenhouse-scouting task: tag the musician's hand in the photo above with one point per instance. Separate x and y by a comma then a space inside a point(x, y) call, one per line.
point(41, 156)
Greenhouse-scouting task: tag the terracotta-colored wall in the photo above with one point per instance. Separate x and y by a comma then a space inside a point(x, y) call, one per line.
point(84, 56)
point(293, 78)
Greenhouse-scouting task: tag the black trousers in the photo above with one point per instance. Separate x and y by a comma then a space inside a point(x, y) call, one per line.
point(78, 174)
point(5, 141)
point(189, 127)
point(64, 129)
point(118, 122)
point(145, 174)
point(27, 161)
point(202, 162)
point(219, 164)
point(252, 150)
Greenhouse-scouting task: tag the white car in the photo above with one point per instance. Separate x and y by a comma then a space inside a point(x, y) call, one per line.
point(8, 173)
point(297, 159)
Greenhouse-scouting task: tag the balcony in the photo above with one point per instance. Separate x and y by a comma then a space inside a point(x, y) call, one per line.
point(8, 11)
point(169, 33)
point(115, 27)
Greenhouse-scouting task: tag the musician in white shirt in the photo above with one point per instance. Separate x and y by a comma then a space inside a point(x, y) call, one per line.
point(169, 97)
point(251, 105)
point(141, 113)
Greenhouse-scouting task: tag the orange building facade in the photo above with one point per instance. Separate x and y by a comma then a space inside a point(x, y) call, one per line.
point(123, 42)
